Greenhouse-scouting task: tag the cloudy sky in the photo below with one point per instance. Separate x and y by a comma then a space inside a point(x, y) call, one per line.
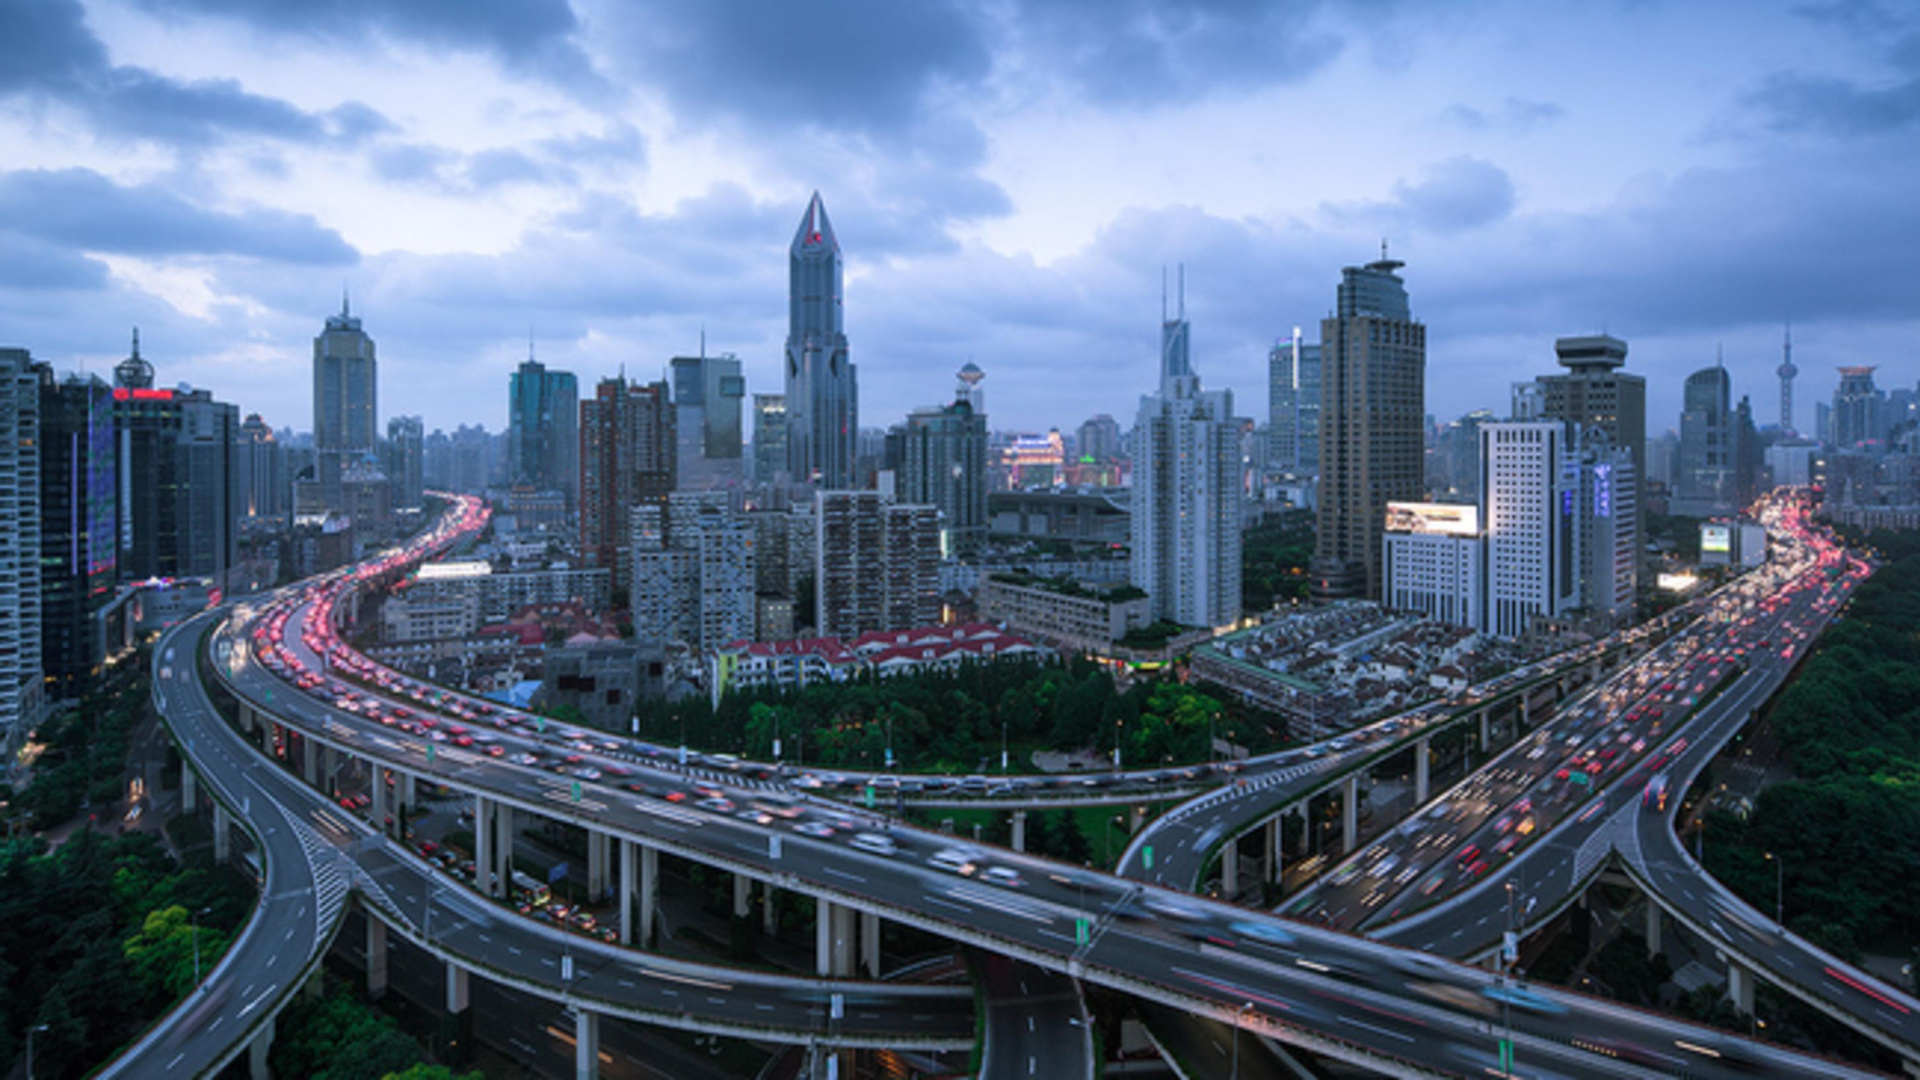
point(1007, 179)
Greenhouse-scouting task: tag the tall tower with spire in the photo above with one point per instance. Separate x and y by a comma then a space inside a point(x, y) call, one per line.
point(823, 399)
point(345, 400)
point(1786, 371)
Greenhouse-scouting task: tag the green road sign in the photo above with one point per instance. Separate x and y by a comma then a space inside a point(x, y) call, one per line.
point(869, 796)
point(576, 791)
point(540, 724)
point(1146, 856)
point(1506, 1056)
point(1082, 931)
point(429, 753)
point(269, 697)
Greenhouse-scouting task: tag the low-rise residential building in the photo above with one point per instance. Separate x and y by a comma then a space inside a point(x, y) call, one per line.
point(1062, 612)
point(746, 665)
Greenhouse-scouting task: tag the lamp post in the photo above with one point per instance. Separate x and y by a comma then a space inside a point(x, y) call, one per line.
point(1779, 889)
point(1237, 1014)
point(193, 920)
point(1003, 747)
point(30, 1033)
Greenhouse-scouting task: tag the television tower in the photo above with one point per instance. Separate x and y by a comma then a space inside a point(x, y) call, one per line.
point(1786, 371)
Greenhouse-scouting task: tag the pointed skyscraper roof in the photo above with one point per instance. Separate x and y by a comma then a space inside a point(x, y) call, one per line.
point(815, 230)
point(134, 372)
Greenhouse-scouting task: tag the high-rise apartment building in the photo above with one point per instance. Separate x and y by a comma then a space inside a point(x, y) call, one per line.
point(346, 389)
point(1855, 416)
point(1098, 440)
point(1293, 405)
point(769, 438)
point(1705, 466)
point(1373, 402)
point(944, 465)
point(1606, 493)
point(1185, 526)
point(180, 497)
point(79, 509)
point(694, 570)
point(877, 564)
point(707, 395)
point(543, 429)
point(626, 459)
point(265, 487)
point(823, 410)
point(22, 692)
point(405, 453)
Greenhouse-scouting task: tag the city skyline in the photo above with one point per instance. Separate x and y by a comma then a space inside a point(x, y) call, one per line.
point(1702, 203)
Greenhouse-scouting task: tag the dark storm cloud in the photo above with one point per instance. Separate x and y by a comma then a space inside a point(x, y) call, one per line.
point(54, 58)
point(531, 37)
point(84, 210)
point(34, 265)
point(1454, 195)
point(1831, 106)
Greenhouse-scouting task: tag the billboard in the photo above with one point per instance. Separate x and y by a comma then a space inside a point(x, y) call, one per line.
point(1446, 519)
point(1716, 539)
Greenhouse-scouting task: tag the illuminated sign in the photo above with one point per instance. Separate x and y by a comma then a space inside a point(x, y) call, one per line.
point(1678, 583)
point(1445, 519)
point(1603, 490)
point(122, 393)
point(1716, 539)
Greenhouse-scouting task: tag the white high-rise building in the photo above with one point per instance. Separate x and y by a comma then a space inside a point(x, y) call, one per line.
point(22, 687)
point(1533, 543)
point(1435, 558)
point(1186, 492)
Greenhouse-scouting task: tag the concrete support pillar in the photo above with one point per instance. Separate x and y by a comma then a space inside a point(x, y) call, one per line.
point(1276, 849)
point(257, 1052)
point(586, 1045)
point(599, 853)
point(408, 797)
point(1653, 928)
point(1486, 736)
point(628, 856)
point(376, 958)
point(833, 939)
point(457, 999)
point(189, 790)
point(310, 761)
point(483, 844)
point(222, 834)
point(1350, 813)
point(329, 770)
point(1422, 766)
point(870, 943)
point(1230, 868)
point(1306, 826)
point(377, 786)
point(1019, 830)
point(769, 921)
point(1526, 707)
point(649, 894)
point(1740, 987)
point(742, 896)
point(502, 851)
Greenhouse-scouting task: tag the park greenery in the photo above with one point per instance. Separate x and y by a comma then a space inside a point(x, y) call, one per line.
point(1273, 562)
point(335, 1036)
point(955, 721)
point(97, 939)
point(1845, 831)
point(84, 757)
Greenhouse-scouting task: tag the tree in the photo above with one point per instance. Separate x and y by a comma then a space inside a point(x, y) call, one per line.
point(162, 954)
point(433, 1072)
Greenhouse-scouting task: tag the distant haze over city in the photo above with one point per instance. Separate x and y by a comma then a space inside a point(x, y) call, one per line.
point(1006, 181)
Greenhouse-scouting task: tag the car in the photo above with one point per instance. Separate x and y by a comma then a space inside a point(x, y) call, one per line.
point(874, 843)
point(959, 860)
point(1525, 1000)
point(717, 804)
point(1002, 875)
point(1264, 933)
point(813, 828)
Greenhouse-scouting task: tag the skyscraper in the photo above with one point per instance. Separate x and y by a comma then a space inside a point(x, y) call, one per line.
point(626, 458)
point(1856, 407)
point(823, 411)
point(1786, 371)
point(1705, 469)
point(707, 394)
point(345, 400)
point(944, 464)
point(21, 690)
point(78, 512)
point(264, 485)
point(769, 437)
point(543, 429)
point(180, 497)
point(694, 570)
point(1373, 403)
point(1533, 552)
point(1595, 394)
point(1098, 439)
point(1293, 405)
point(1185, 524)
point(406, 459)
point(877, 564)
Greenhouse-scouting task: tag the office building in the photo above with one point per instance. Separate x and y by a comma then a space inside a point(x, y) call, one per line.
point(1747, 454)
point(179, 498)
point(79, 509)
point(823, 411)
point(626, 459)
point(345, 400)
point(769, 438)
point(876, 564)
point(1293, 405)
point(405, 461)
point(1435, 556)
point(1855, 417)
point(22, 693)
point(1705, 466)
point(1098, 440)
point(1373, 401)
point(1185, 526)
point(265, 487)
point(707, 396)
point(944, 465)
point(543, 429)
point(1608, 518)
point(1532, 550)
point(1595, 394)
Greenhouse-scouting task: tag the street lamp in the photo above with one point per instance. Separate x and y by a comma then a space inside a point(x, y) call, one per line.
point(193, 920)
point(1003, 747)
point(30, 1031)
point(1237, 1014)
point(1779, 889)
